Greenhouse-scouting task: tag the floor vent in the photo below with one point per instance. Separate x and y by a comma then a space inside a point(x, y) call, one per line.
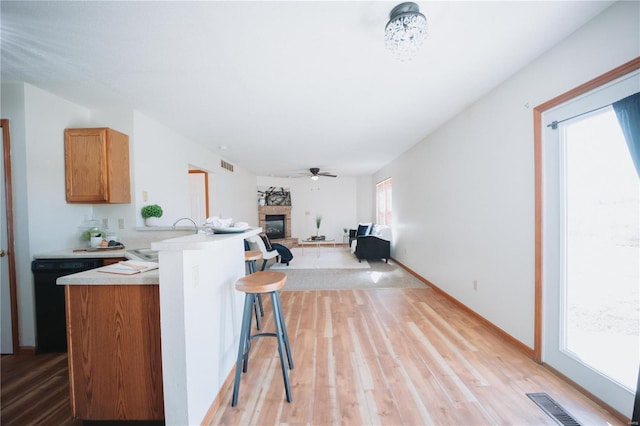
point(553, 409)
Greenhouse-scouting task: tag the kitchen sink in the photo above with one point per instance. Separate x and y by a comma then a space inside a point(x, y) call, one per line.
point(145, 254)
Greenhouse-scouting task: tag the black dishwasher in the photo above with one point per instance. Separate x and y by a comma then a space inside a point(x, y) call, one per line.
point(51, 326)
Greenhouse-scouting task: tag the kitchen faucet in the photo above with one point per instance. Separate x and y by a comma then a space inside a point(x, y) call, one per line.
point(195, 227)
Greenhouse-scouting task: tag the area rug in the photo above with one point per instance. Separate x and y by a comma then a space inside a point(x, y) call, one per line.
point(378, 275)
point(324, 258)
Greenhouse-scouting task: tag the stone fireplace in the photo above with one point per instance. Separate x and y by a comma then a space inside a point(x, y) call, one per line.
point(285, 211)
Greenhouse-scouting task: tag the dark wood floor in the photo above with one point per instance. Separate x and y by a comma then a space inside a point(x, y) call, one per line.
point(35, 390)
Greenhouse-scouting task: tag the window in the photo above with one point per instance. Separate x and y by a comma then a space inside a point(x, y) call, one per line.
point(383, 202)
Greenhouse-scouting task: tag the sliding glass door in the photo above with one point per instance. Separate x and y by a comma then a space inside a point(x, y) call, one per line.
point(591, 257)
point(601, 275)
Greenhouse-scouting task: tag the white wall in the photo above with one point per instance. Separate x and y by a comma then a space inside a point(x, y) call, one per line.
point(44, 222)
point(163, 158)
point(365, 199)
point(463, 198)
point(336, 199)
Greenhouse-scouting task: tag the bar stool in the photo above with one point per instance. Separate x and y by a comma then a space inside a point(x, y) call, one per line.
point(250, 257)
point(262, 282)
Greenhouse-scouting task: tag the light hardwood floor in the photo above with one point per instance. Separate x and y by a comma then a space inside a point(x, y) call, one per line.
point(394, 357)
point(375, 356)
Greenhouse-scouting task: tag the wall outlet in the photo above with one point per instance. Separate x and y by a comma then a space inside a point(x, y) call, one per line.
point(105, 223)
point(475, 284)
point(121, 223)
point(145, 196)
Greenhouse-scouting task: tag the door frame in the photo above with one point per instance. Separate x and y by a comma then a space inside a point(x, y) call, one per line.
point(538, 131)
point(615, 73)
point(11, 258)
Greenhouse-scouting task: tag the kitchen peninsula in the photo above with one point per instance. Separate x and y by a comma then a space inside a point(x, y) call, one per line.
point(174, 329)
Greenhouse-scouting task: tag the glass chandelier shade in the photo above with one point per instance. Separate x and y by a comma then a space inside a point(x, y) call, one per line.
point(405, 31)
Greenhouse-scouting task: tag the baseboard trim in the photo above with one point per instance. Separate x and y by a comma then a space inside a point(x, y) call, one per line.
point(211, 412)
point(27, 350)
point(491, 326)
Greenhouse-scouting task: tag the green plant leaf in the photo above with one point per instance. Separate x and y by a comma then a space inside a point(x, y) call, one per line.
point(152, 210)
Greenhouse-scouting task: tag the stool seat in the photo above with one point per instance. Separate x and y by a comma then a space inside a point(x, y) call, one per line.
point(261, 282)
point(252, 255)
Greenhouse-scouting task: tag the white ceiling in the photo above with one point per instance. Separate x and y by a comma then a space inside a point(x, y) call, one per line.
point(283, 85)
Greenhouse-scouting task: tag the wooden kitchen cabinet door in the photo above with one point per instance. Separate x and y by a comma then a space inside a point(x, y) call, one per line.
point(97, 166)
point(114, 350)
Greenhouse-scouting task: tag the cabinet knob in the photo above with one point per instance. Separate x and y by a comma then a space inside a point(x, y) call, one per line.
point(2, 253)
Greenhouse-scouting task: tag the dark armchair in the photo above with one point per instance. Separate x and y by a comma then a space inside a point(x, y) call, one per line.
point(371, 242)
point(363, 229)
point(372, 247)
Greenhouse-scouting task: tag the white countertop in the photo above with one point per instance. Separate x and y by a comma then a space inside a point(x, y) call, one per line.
point(199, 241)
point(95, 277)
point(70, 254)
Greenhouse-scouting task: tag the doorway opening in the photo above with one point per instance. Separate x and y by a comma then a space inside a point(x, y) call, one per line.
point(199, 195)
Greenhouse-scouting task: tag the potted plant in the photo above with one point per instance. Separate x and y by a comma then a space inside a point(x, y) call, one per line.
point(318, 222)
point(151, 214)
point(93, 236)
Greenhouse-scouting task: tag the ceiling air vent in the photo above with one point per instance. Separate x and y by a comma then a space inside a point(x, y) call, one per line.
point(226, 165)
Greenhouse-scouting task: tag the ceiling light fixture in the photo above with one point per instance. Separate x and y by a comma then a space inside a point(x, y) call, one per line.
point(405, 31)
point(314, 177)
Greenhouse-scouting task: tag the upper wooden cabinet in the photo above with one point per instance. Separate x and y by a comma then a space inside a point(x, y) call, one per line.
point(97, 166)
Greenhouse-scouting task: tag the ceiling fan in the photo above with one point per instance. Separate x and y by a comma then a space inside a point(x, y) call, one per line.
point(316, 173)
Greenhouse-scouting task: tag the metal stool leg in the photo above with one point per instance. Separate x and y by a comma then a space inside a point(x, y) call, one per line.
point(245, 363)
point(243, 350)
point(279, 321)
point(255, 308)
point(260, 304)
point(284, 329)
point(252, 269)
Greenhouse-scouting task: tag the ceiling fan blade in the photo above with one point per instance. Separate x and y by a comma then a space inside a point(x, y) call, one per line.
point(326, 174)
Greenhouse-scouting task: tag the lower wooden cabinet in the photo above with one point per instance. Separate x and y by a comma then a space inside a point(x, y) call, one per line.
point(115, 363)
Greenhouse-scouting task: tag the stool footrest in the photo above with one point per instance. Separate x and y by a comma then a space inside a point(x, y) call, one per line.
point(255, 336)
